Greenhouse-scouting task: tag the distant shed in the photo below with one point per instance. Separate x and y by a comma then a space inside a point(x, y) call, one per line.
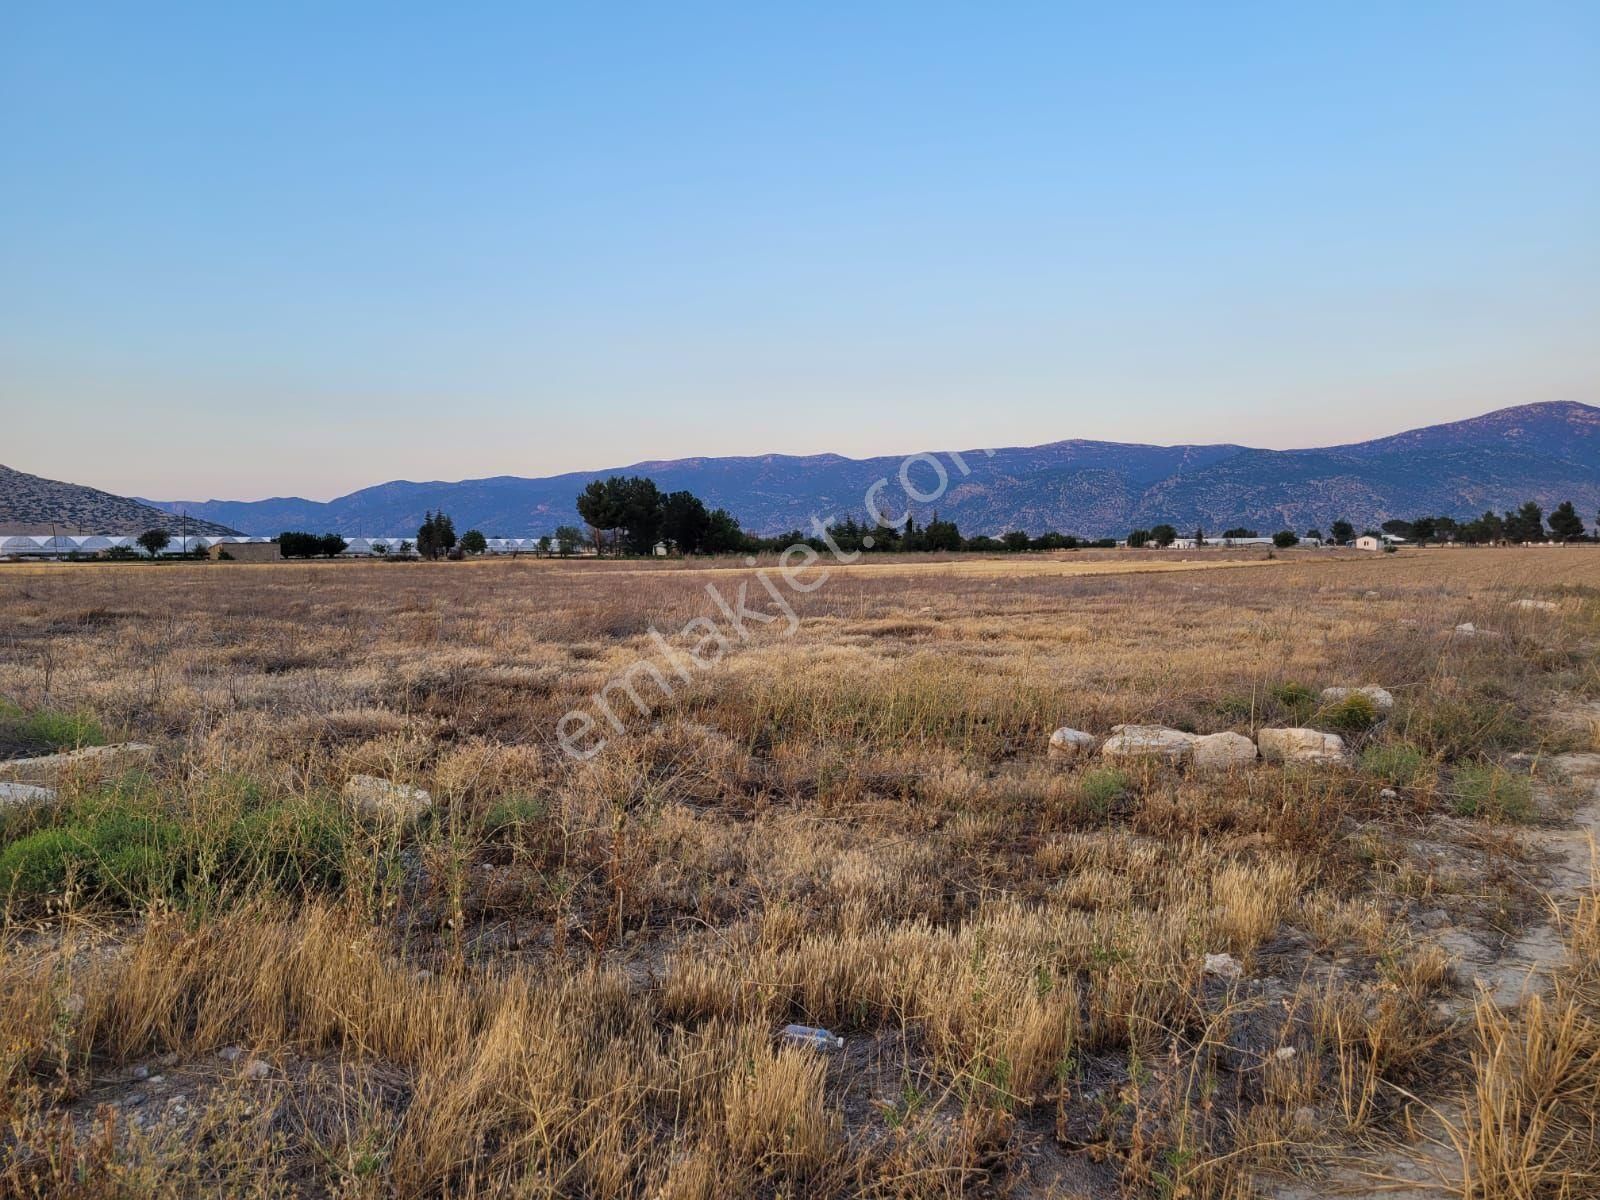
point(252, 552)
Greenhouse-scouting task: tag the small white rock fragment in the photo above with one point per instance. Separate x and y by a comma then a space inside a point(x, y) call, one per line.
point(256, 1068)
point(229, 1054)
point(1388, 794)
point(374, 797)
point(1067, 742)
point(1300, 746)
point(1223, 966)
point(1283, 1053)
point(1535, 605)
point(21, 794)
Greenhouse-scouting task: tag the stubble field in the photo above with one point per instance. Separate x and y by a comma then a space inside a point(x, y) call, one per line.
point(569, 978)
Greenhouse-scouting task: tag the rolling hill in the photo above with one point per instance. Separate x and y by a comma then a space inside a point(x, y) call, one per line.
point(1544, 452)
point(32, 503)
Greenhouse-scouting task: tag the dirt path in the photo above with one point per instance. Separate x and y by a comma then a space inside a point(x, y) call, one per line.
point(1431, 1168)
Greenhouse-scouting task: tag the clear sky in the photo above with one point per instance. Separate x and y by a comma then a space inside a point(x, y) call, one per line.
point(249, 250)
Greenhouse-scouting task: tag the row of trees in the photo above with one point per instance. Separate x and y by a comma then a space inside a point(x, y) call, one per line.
point(1526, 524)
point(630, 513)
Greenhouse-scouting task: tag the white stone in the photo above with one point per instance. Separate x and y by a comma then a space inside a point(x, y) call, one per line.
point(1300, 745)
point(92, 763)
point(1381, 699)
point(256, 1069)
point(374, 797)
point(1222, 752)
point(20, 794)
point(1071, 743)
point(1223, 966)
point(1535, 605)
point(1148, 743)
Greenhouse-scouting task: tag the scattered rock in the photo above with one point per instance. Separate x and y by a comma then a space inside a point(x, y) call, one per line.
point(374, 797)
point(21, 794)
point(1381, 699)
point(1222, 752)
point(134, 1099)
point(1434, 918)
point(1306, 1120)
point(1283, 1053)
point(140, 1072)
point(1072, 743)
point(1372, 595)
point(168, 1060)
point(230, 1054)
point(1300, 746)
point(1388, 794)
point(1468, 630)
point(1150, 743)
point(1223, 966)
point(1535, 605)
point(91, 764)
point(256, 1068)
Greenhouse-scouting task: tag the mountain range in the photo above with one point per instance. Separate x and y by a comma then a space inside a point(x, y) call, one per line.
point(1543, 452)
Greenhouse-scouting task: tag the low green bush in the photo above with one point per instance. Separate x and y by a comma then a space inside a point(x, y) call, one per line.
point(1356, 713)
point(1398, 764)
point(1487, 791)
point(46, 730)
point(1104, 786)
point(119, 853)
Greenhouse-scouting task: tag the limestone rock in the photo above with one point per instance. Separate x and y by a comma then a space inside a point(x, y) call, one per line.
point(1222, 752)
point(20, 794)
point(1148, 743)
point(1223, 966)
point(1535, 605)
point(1381, 699)
point(92, 764)
point(1300, 746)
point(374, 797)
point(1071, 743)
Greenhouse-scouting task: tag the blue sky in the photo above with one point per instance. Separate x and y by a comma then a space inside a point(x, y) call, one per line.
point(303, 248)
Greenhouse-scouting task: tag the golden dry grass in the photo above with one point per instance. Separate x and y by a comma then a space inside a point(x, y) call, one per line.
point(569, 979)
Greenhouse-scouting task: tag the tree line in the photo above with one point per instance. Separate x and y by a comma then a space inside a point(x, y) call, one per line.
point(1527, 523)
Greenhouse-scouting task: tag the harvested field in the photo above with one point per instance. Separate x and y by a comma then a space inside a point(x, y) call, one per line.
point(834, 806)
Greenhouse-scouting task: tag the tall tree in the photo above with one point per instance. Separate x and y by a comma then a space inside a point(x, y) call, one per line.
point(1342, 531)
point(154, 541)
point(684, 521)
point(1565, 523)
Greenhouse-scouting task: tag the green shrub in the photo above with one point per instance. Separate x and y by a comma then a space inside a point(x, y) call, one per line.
point(510, 814)
point(1104, 786)
point(1398, 764)
point(1296, 699)
point(1461, 726)
point(1356, 713)
point(46, 730)
point(296, 845)
point(120, 853)
point(1487, 791)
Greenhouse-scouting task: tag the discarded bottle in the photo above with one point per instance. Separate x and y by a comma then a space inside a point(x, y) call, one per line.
point(810, 1035)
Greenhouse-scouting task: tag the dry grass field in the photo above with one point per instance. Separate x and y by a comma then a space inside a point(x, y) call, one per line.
point(569, 977)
